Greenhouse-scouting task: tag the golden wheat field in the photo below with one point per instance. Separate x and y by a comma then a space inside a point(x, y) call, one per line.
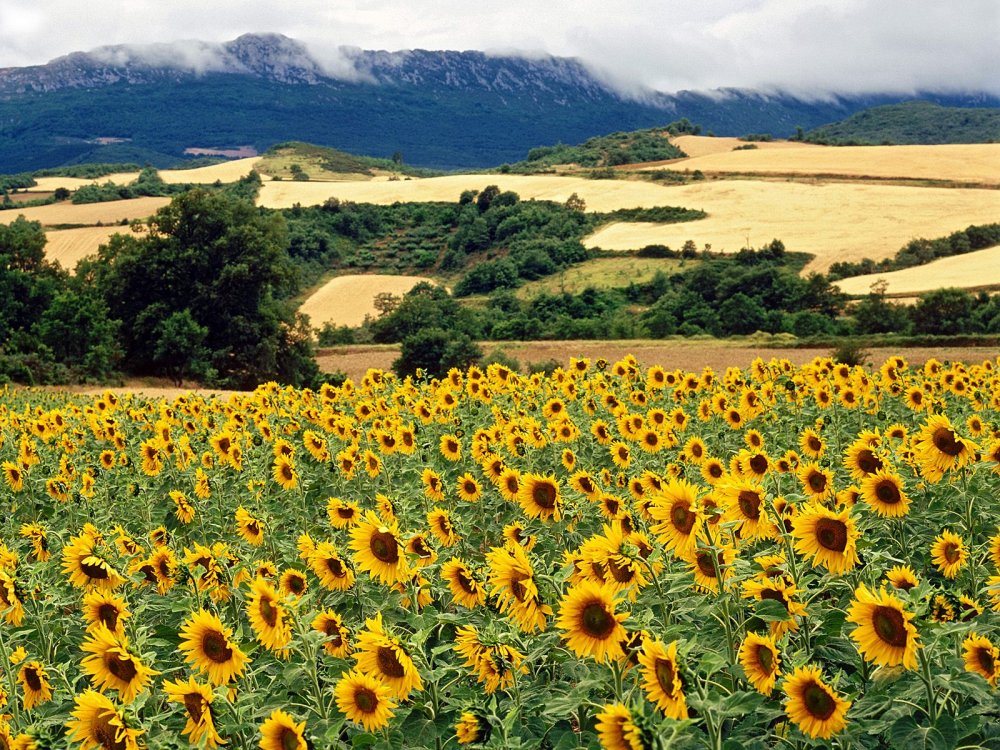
point(228, 171)
point(974, 163)
point(835, 222)
point(347, 300)
point(68, 246)
point(969, 271)
point(703, 145)
point(88, 214)
point(600, 195)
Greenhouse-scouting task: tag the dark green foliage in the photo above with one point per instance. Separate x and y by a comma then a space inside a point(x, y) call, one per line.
point(331, 335)
point(611, 150)
point(424, 306)
point(433, 351)
point(55, 327)
point(88, 171)
point(850, 353)
point(217, 268)
point(912, 122)
point(944, 312)
point(920, 251)
point(148, 183)
point(757, 137)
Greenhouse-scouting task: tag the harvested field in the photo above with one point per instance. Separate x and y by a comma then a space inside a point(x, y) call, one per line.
point(976, 270)
point(600, 195)
point(977, 163)
point(229, 171)
point(346, 300)
point(68, 246)
point(834, 222)
point(686, 354)
point(603, 273)
point(88, 214)
point(703, 145)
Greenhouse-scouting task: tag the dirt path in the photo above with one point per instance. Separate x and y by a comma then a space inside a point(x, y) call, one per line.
point(686, 355)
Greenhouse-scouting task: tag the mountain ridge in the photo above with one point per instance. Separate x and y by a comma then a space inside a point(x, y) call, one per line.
point(447, 110)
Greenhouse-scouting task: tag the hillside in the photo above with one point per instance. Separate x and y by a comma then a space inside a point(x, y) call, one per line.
point(437, 109)
point(915, 122)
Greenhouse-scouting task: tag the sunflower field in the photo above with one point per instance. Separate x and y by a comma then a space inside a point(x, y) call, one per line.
point(608, 556)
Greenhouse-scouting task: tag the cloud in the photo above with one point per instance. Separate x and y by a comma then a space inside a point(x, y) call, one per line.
point(810, 46)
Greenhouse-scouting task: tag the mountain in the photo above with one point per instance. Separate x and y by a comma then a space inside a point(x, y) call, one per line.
point(438, 109)
point(913, 122)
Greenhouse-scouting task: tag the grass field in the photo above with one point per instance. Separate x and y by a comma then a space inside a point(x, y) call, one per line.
point(603, 273)
point(88, 214)
point(228, 171)
point(346, 300)
point(977, 163)
point(977, 270)
point(835, 222)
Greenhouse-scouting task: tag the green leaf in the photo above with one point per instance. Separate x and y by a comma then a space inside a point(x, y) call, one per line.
point(771, 611)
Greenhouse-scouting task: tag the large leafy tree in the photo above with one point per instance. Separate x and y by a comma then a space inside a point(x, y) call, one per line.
point(216, 267)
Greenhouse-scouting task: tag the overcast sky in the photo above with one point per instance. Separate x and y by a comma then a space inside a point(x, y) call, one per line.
point(804, 45)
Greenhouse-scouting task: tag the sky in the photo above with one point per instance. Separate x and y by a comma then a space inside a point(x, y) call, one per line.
point(804, 46)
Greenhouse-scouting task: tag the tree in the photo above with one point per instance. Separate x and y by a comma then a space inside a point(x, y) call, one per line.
point(180, 349)
point(226, 263)
point(576, 203)
point(435, 351)
point(944, 312)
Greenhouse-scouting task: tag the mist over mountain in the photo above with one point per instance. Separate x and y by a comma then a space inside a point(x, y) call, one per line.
point(440, 109)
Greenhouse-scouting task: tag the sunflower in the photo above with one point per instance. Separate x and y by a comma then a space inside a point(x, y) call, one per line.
point(466, 590)
point(39, 538)
point(441, 527)
point(679, 517)
point(342, 514)
point(817, 482)
point(948, 553)
point(469, 489)
point(883, 491)
point(902, 577)
point(616, 730)
point(98, 724)
point(811, 443)
point(471, 728)
point(112, 666)
point(884, 634)
point(383, 657)
point(539, 497)
point(451, 447)
point(280, 732)
point(827, 537)
point(587, 615)
point(35, 683)
point(102, 608)
point(777, 588)
point(812, 705)
point(378, 549)
point(197, 700)
point(661, 678)
point(364, 700)
point(509, 483)
point(206, 645)
point(433, 487)
point(270, 620)
point(861, 460)
point(87, 570)
point(284, 473)
point(982, 658)
point(158, 569)
point(183, 509)
point(512, 582)
point(14, 475)
point(744, 500)
point(293, 582)
point(10, 602)
point(710, 565)
point(514, 533)
point(331, 625)
point(938, 448)
point(332, 570)
point(761, 661)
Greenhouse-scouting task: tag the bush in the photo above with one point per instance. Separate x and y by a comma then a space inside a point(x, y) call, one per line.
point(850, 353)
point(434, 351)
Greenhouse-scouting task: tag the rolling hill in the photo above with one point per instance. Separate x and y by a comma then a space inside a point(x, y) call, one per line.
point(915, 122)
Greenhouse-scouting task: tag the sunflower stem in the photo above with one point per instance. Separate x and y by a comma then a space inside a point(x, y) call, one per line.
point(9, 671)
point(926, 677)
